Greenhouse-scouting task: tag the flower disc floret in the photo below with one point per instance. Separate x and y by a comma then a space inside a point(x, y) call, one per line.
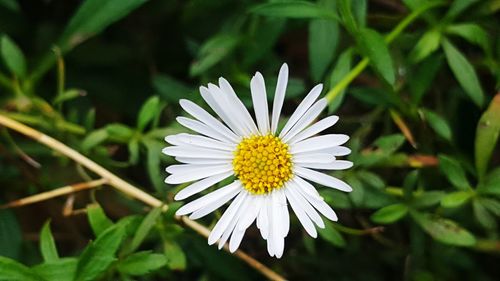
point(262, 163)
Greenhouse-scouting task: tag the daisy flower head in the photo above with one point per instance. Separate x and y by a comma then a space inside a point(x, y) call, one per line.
point(269, 169)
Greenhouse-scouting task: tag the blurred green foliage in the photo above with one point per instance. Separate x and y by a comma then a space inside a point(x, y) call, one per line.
point(105, 77)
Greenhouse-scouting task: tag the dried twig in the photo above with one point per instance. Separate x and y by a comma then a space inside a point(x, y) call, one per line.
point(126, 187)
point(54, 193)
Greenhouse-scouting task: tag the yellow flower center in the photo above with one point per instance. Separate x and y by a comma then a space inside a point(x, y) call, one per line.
point(262, 163)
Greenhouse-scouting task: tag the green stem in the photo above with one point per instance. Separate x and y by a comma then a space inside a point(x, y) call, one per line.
point(354, 231)
point(5, 81)
point(349, 77)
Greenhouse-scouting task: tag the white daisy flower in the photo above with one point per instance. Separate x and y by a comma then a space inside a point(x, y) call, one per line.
point(270, 171)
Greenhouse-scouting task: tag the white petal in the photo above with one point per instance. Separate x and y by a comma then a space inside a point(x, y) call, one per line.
point(306, 119)
point(203, 129)
point(235, 241)
point(307, 188)
point(259, 100)
point(263, 219)
point(199, 113)
point(228, 191)
point(320, 205)
point(239, 109)
point(200, 174)
point(186, 168)
point(195, 160)
point(234, 221)
point(304, 205)
point(318, 142)
point(306, 158)
point(285, 214)
point(201, 185)
point(251, 213)
point(301, 214)
point(213, 206)
point(323, 179)
point(302, 108)
point(199, 141)
point(333, 165)
point(335, 151)
point(194, 152)
point(226, 218)
point(315, 129)
point(218, 101)
point(278, 226)
point(279, 96)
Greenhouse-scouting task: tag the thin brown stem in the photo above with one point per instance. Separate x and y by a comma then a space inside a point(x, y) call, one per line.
point(126, 187)
point(54, 193)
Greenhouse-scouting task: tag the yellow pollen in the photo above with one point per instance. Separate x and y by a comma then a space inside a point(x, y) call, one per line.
point(262, 163)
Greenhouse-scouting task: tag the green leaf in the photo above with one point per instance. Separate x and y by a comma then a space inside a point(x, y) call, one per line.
point(100, 254)
point(323, 41)
point(176, 258)
point(421, 79)
point(98, 219)
point(342, 67)
point(491, 183)
point(371, 179)
point(444, 230)
point(487, 133)
point(213, 51)
point(148, 112)
point(171, 89)
point(133, 151)
point(492, 205)
point(154, 163)
point(94, 138)
point(427, 199)
point(456, 199)
point(483, 216)
point(144, 228)
point(11, 5)
point(12, 56)
point(92, 17)
point(373, 46)
point(457, 7)
point(390, 143)
point(471, 32)
point(427, 44)
point(332, 235)
point(63, 269)
point(47, 244)
point(347, 16)
point(453, 171)
point(390, 214)
point(464, 72)
point(141, 263)
point(68, 95)
point(293, 9)
point(11, 270)
point(10, 235)
point(438, 124)
point(119, 131)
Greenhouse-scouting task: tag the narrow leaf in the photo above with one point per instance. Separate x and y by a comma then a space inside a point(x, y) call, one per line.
point(332, 235)
point(444, 230)
point(12, 56)
point(293, 9)
point(63, 269)
point(144, 228)
point(456, 199)
point(487, 133)
point(464, 72)
point(47, 244)
point(100, 254)
point(427, 44)
point(438, 124)
point(98, 219)
point(323, 40)
point(372, 44)
point(12, 270)
point(453, 171)
point(141, 263)
point(148, 112)
point(390, 214)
